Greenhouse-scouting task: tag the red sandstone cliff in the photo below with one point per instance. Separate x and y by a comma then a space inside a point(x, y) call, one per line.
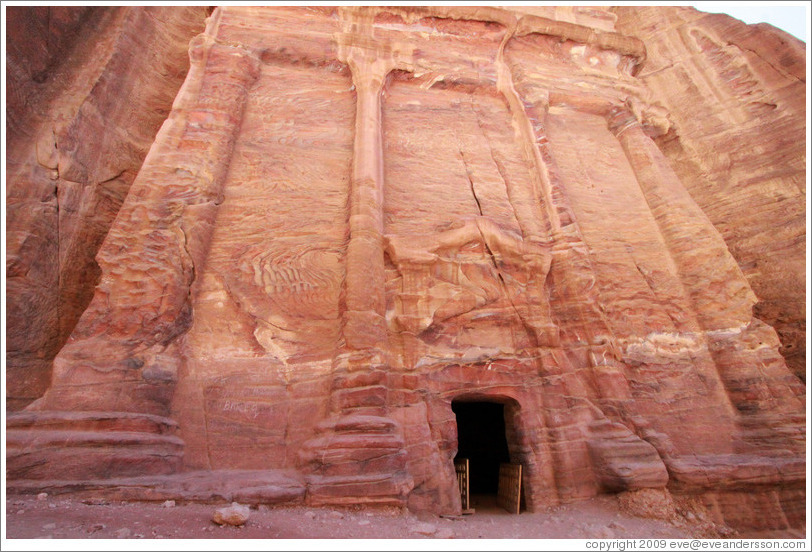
point(86, 91)
point(736, 95)
point(352, 218)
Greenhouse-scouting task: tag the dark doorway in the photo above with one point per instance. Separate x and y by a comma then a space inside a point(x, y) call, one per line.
point(481, 439)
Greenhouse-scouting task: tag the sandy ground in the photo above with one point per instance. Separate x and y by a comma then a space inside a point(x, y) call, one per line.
point(62, 517)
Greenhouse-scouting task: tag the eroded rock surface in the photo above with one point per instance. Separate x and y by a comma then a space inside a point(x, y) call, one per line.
point(87, 91)
point(354, 216)
point(736, 95)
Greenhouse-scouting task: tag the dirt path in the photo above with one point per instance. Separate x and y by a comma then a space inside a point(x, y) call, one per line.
point(60, 517)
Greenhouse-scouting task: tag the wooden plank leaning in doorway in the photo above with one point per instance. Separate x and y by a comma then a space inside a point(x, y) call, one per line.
point(509, 495)
point(463, 479)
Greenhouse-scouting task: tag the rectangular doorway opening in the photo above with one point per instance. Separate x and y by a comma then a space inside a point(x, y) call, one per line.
point(481, 439)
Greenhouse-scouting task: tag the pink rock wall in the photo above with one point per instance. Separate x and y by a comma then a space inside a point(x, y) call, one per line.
point(737, 98)
point(353, 217)
point(87, 91)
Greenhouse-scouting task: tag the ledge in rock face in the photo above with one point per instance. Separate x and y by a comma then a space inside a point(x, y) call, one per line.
point(87, 445)
point(378, 490)
point(211, 486)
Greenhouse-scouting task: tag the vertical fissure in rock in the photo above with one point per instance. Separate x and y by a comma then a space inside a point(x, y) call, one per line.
point(192, 268)
point(470, 181)
point(504, 285)
point(500, 169)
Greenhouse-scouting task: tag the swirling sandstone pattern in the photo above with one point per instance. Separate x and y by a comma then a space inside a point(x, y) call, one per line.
point(354, 216)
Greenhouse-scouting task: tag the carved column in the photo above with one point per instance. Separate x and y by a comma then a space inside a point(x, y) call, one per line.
point(533, 207)
point(364, 322)
point(699, 251)
point(113, 381)
point(359, 454)
point(571, 271)
point(121, 356)
point(586, 340)
point(754, 376)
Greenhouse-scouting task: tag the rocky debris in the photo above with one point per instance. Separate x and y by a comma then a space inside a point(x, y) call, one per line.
point(618, 527)
point(42, 496)
point(236, 515)
point(600, 532)
point(168, 504)
point(650, 503)
point(151, 520)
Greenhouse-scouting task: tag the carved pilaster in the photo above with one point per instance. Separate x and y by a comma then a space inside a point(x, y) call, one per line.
point(697, 248)
point(571, 271)
point(358, 454)
point(364, 322)
point(533, 207)
point(121, 355)
point(712, 279)
point(119, 368)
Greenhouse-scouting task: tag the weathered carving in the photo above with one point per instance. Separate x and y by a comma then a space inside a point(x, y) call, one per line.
point(463, 269)
point(355, 216)
point(751, 77)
